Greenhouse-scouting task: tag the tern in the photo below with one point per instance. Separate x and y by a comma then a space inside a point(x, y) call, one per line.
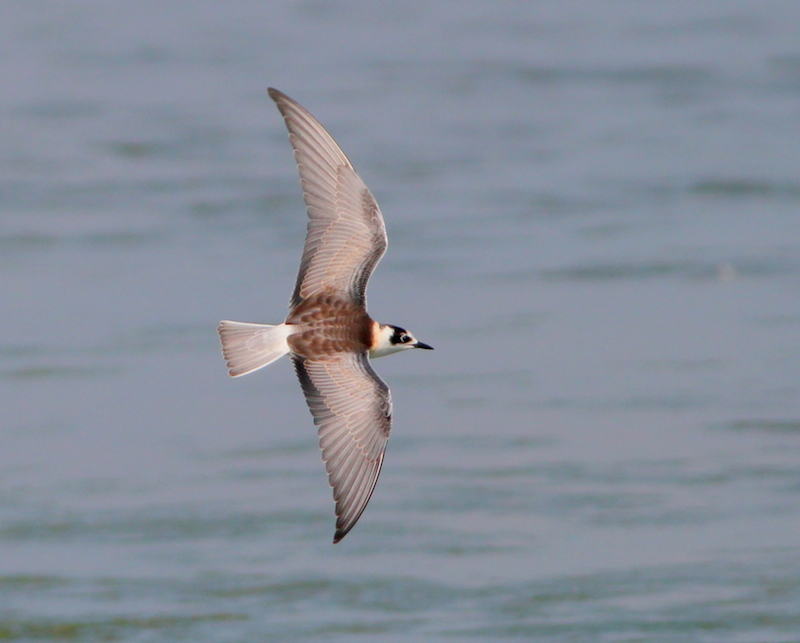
point(328, 332)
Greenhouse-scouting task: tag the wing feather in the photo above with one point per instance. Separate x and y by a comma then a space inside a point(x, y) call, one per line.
point(353, 408)
point(346, 234)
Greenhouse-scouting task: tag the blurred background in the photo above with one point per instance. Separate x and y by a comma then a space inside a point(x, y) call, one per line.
point(593, 216)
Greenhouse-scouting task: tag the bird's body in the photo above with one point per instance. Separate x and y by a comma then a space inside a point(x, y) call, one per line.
point(328, 332)
point(327, 324)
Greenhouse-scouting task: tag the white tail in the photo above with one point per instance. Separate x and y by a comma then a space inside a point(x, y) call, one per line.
point(248, 347)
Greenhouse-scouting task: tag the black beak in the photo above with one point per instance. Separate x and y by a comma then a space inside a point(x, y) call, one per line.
point(421, 345)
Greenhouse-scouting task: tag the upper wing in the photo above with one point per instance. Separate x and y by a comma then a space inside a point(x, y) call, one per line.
point(353, 408)
point(346, 234)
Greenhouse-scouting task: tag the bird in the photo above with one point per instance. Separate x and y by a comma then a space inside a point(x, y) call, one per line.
point(328, 332)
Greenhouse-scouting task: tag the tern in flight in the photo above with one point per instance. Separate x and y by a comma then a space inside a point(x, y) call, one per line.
point(328, 332)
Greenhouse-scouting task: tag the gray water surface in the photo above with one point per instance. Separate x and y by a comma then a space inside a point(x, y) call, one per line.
point(593, 217)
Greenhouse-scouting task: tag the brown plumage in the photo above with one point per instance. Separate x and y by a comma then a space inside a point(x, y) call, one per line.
point(329, 325)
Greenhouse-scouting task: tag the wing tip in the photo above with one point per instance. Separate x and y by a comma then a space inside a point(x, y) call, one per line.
point(344, 529)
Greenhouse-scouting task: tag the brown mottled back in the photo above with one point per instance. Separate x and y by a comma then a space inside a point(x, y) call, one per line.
point(329, 325)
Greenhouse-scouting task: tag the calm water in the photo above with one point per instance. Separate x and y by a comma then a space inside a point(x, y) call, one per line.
point(593, 217)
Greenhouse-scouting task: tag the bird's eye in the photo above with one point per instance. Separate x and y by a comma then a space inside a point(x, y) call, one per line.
point(405, 339)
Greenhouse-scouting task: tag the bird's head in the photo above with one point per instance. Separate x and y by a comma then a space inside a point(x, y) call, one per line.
point(392, 339)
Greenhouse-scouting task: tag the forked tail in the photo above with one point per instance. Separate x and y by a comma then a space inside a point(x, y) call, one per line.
point(248, 347)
